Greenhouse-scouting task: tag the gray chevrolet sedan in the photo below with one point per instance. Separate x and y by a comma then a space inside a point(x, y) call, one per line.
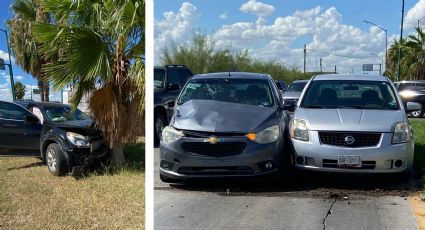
point(352, 123)
point(224, 125)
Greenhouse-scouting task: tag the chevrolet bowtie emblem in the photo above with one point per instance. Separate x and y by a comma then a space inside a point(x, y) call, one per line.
point(212, 140)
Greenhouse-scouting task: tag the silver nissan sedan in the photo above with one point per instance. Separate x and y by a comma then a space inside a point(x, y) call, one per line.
point(352, 123)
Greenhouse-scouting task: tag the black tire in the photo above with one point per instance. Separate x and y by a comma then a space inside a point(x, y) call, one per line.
point(55, 160)
point(166, 179)
point(403, 177)
point(159, 123)
point(418, 114)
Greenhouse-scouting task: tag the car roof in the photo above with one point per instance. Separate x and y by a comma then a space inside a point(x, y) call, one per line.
point(236, 75)
point(414, 81)
point(350, 77)
point(40, 104)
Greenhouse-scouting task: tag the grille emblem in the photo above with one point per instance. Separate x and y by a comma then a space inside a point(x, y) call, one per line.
point(212, 140)
point(349, 140)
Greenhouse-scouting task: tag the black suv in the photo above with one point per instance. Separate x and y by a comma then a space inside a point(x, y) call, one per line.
point(412, 91)
point(65, 139)
point(168, 80)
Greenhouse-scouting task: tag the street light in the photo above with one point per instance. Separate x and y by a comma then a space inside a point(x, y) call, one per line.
point(386, 40)
point(12, 83)
point(420, 20)
point(382, 61)
point(401, 39)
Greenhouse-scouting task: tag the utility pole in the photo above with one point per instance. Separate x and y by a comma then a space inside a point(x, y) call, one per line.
point(380, 69)
point(401, 39)
point(305, 56)
point(12, 83)
point(321, 65)
point(335, 68)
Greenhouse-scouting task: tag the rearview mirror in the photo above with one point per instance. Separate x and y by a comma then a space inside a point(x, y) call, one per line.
point(413, 106)
point(31, 119)
point(170, 104)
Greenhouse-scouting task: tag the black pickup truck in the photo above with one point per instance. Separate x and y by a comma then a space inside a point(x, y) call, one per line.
point(412, 91)
point(168, 80)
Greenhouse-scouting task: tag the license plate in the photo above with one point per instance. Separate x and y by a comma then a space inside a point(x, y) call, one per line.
point(349, 161)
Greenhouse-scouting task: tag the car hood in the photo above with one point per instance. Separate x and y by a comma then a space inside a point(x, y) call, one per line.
point(291, 95)
point(83, 127)
point(350, 119)
point(216, 116)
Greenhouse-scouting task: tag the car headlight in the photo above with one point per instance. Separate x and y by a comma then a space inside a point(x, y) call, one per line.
point(407, 94)
point(265, 136)
point(299, 130)
point(170, 135)
point(401, 133)
point(78, 139)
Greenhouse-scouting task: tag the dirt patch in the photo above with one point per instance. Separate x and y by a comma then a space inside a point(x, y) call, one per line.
point(418, 206)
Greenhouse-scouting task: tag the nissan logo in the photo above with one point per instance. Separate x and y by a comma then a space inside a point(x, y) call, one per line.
point(349, 140)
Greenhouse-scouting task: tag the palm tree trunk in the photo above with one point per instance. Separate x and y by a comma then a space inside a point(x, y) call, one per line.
point(46, 91)
point(40, 84)
point(117, 157)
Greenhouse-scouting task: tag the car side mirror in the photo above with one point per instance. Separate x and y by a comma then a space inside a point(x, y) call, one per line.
point(170, 104)
point(413, 106)
point(289, 105)
point(173, 87)
point(31, 119)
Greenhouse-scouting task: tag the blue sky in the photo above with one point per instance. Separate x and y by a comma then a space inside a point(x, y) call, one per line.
point(277, 30)
point(19, 74)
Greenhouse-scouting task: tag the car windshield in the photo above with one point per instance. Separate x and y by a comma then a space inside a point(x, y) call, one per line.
point(296, 87)
point(242, 91)
point(351, 94)
point(64, 113)
point(159, 78)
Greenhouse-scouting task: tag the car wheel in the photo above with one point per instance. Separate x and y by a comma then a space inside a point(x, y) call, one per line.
point(160, 123)
point(166, 179)
point(417, 114)
point(56, 162)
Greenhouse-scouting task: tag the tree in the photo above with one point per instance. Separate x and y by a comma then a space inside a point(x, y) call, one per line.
point(25, 48)
point(19, 90)
point(101, 44)
point(201, 55)
point(412, 61)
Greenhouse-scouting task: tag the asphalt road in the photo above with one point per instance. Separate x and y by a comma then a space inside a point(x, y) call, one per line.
point(306, 201)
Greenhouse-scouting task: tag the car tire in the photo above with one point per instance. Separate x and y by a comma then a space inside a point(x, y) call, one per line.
point(159, 124)
point(403, 176)
point(418, 114)
point(166, 179)
point(55, 160)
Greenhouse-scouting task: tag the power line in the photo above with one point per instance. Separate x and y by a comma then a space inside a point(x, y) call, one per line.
point(339, 55)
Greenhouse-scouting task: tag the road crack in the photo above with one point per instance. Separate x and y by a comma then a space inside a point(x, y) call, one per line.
point(327, 214)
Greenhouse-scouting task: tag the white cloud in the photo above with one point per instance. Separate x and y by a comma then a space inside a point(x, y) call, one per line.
point(259, 9)
point(5, 55)
point(19, 77)
point(414, 14)
point(2, 73)
point(283, 38)
point(175, 27)
point(223, 15)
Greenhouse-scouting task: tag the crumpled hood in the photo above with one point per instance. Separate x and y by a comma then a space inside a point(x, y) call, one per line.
point(83, 127)
point(291, 95)
point(216, 116)
point(350, 119)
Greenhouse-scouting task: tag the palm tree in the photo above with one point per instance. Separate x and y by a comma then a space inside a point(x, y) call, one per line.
point(102, 44)
point(23, 45)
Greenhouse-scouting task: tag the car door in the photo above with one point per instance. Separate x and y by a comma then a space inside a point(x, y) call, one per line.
point(17, 136)
point(172, 92)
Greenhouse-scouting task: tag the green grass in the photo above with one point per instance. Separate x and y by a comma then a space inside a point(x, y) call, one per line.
point(32, 198)
point(419, 161)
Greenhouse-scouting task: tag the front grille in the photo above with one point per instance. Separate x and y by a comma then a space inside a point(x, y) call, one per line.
point(201, 134)
point(334, 164)
point(218, 171)
point(220, 149)
point(360, 139)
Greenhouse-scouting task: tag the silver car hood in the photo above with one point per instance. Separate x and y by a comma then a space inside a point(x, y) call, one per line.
point(350, 119)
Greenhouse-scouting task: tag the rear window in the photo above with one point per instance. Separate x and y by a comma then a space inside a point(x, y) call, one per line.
point(350, 94)
point(242, 91)
point(296, 87)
